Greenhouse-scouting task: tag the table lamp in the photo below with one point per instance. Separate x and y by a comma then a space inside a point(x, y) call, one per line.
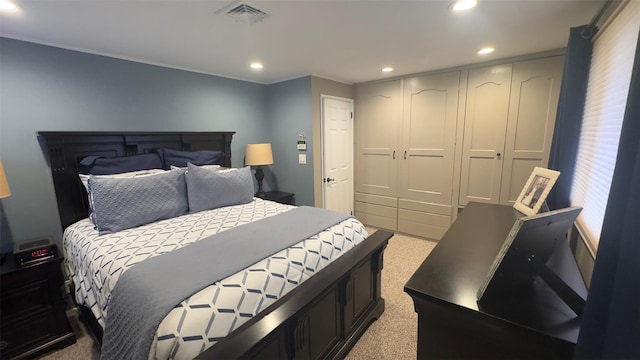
point(258, 155)
point(5, 235)
point(4, 185)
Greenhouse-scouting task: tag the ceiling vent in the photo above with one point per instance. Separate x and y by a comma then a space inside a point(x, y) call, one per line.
point(243, 12)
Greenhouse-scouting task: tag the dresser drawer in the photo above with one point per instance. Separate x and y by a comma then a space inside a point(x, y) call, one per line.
point(27, 299)
point(25, 332)
point(32, 312)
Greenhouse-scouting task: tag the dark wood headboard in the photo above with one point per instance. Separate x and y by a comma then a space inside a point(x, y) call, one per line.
point(65, 150)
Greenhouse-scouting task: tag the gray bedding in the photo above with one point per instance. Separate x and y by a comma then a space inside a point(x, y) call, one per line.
point(141, 299)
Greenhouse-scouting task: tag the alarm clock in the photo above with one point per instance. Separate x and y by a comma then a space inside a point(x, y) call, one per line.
point(34, 251)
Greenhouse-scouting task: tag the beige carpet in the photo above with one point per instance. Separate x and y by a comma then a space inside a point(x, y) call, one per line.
point(85, 348)
point(393, 336)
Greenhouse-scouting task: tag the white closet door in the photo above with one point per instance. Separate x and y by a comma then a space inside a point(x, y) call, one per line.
point(485, 125)
point(535, 90)
point(378, 112)
point(428, 138)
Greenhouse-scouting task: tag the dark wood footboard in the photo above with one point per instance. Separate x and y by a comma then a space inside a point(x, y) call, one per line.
point(323, 318)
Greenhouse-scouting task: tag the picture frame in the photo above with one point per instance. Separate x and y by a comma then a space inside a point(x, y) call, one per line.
point(535, 191)
point(531, 237)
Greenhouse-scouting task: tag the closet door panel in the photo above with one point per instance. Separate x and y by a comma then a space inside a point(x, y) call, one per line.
point(487, 109)
point(428, 137)
point(535, 90)
point(378, 111)
point(427, 178)
point(378, 211)
point(431, 226)
point(480, 171)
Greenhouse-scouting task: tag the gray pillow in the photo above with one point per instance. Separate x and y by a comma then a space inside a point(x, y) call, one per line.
point(84, 178)
point(209, 189)
point(122, 203)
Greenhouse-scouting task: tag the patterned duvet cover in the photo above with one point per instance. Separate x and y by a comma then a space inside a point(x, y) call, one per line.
point(95, 263)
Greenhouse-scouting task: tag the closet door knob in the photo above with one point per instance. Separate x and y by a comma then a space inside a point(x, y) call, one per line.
point(499, 155)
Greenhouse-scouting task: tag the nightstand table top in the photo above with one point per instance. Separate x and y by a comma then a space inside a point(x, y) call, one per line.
point(280, 196)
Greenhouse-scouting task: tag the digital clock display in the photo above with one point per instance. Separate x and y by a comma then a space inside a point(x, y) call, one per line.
point(40, 252)
point(35, 251)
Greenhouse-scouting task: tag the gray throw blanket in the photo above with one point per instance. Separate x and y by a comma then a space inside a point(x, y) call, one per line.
point(145, 293)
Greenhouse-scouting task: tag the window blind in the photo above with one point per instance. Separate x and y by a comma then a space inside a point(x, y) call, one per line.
point(607, 89)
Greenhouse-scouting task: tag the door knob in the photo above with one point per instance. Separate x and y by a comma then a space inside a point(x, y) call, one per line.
point(499, 155)
point(329, 180)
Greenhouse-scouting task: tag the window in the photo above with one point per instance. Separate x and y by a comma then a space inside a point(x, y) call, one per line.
point(608, 87)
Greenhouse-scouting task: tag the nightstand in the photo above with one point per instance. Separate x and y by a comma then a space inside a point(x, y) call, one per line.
point(32, 312)
point(280, 196)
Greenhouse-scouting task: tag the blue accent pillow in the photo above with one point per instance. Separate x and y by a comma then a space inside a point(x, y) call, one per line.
point(181, 158)
point(210, 189)
point(122, 203)
point(105, 166)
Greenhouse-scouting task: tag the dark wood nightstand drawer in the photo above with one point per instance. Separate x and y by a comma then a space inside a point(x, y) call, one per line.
point(26, 299)
point(32, 311)
point(26, 332)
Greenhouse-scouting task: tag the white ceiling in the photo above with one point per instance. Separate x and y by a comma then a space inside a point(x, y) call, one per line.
point(346, 41)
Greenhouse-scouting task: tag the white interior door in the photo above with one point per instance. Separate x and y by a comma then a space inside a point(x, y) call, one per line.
point(337, 154)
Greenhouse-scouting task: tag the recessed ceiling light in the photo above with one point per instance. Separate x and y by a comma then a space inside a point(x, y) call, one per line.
point(462, 5)
point(7, 6)
point(486, 50)
point(256, 66)
point(387, 69)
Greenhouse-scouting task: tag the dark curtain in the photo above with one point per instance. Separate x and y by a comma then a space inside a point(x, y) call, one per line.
point(611, 322)
point(573, 91)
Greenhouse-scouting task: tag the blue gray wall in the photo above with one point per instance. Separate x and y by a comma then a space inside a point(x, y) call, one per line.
point(48, 88)
point(290, 114)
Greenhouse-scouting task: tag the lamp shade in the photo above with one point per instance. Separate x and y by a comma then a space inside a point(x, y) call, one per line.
point(258, 154)
point(4, 185)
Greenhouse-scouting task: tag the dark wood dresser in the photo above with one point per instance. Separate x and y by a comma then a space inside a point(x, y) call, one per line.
point(32, 311)
point(528, 323)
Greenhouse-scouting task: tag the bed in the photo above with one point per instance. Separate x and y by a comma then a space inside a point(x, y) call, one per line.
point(285, 312)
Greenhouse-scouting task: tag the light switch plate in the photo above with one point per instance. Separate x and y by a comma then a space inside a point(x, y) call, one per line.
point(302, 158)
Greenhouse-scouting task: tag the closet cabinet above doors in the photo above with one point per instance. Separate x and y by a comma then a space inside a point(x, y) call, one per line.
point(379, 111)
point(535, 91)
point(427, 144)
point(509, 122)
point(485, 126)
point(426, 167)
point(405, 145)
point(377, 118)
